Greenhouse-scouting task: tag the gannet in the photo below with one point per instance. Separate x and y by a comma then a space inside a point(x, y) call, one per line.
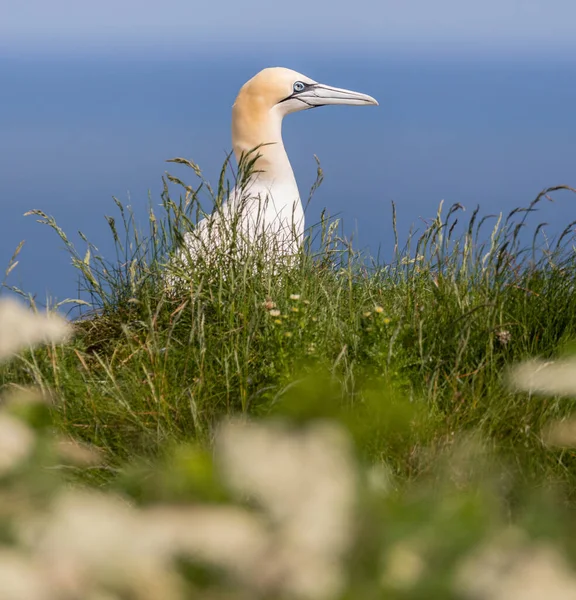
point(267, 206)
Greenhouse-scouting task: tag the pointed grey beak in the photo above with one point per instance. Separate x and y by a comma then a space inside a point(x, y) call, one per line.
point(318, 94)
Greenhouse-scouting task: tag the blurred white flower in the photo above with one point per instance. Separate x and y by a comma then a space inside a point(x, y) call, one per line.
point(560, 433)
point(380, 478)
point(92, 541)
point(511, 569)
point(556, 378)
point(78, 453)
point(21, 328)
point(291, 545)
point(90, 537)
point(306, 482)
point(403, 566)
point(225, 536)
point(16, 442)
point(21, 579)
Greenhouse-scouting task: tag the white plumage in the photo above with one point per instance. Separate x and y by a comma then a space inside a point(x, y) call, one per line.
point(268, 209)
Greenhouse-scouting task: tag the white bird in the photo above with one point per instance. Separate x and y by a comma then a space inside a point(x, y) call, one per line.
point(267, 207)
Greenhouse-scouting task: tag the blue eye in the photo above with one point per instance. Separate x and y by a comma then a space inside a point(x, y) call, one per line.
point(299, 86)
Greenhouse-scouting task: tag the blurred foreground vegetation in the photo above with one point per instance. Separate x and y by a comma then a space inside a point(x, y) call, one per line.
point(330, 429)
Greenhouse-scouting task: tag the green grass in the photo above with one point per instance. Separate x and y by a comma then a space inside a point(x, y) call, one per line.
point(410, 356)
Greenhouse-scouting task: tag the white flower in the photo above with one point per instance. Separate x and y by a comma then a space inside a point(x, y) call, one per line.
point(16, 442)
point(225, 536)
point(21, 328)
point(20, 579)
point(90, 536)
point(306, 482)
point(510, 569)
point(554, 377)
point(560, 433)
point(403, 566)
point(78, 453)
point(503, 336)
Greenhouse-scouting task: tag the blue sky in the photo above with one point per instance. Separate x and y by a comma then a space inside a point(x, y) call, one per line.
point(486, 27)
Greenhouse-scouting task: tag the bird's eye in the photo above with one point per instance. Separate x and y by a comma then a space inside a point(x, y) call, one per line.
point(299, 86)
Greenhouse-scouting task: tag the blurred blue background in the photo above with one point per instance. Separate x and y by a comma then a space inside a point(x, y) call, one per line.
point(477, 105)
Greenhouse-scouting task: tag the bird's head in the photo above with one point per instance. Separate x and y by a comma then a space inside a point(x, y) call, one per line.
point(287, 91)
point(270, 95)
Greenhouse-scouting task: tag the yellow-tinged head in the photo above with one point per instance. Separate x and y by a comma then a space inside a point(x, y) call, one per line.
point(275, 92)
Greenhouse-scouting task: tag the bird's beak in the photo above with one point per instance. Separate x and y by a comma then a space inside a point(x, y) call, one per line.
point(318, 94)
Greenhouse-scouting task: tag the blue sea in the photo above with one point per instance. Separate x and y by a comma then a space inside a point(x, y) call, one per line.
point(76, 131)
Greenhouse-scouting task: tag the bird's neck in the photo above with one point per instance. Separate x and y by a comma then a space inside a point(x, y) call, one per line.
point(255, 127)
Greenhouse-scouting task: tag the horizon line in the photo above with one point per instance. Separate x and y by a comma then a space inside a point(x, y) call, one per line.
point(456, 50)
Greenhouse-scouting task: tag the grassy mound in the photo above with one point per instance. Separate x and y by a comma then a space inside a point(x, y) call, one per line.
point(410, 358)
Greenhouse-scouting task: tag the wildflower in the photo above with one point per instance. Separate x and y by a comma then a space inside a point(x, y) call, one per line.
point(269, 304)
point(294, 296)
point(20, 328)
point(404, 566)
point(21, 578)
point(274, 312)
point(16, 442)
point(556, 378)
point(78, 453)
point(406, 260)
point(378, 309)
point(306, 302)
point(228, 537)
point(91, 534)
point(278, 321)
point(503, 336)
point(387, 320)
point(510, 567)
point(273, 465)
point(295, 309)
point(366, 314)
point(561, 434)
point(288, 334)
